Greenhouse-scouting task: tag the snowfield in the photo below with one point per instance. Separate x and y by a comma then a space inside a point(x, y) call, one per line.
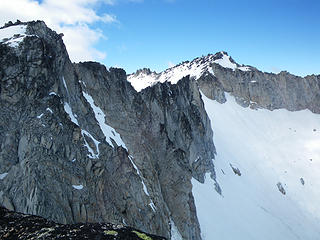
point(195, 69)
point(267, 165)
point(268, 147)
point(13, 35)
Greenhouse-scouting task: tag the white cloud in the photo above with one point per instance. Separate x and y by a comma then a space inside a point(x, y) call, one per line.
point(107, 18)
point(71, 17)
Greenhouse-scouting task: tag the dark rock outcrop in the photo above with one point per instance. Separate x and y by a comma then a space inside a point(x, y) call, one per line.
point(20, 226)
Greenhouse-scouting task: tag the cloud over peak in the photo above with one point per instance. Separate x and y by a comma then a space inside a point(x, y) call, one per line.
point(73, 17)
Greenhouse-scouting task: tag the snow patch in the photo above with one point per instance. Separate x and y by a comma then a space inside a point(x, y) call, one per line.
point(226, 62)
point(68, 110)
point(142, 81)
point(175, 234)
point(92, 153)
point(244, 69)
point(151, 204)
point(153, 207)
point(108, 131)
point(84, 84)
point(3, 175)
point(78, 187)
point(145, 188)
point(40, 116)
point(13, 35)
point(65, 84)
point(210, 70)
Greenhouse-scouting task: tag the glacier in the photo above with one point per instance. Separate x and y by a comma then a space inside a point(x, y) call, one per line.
point(267, 147)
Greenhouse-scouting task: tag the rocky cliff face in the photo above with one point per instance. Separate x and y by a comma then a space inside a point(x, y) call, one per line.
point(219, 73)
point(80, 144)
point(166, 131)
point(255, 148)
point(267, 90)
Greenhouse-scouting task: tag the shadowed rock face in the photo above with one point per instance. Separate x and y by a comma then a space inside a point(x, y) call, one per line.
point(57, 162)
point(20, 226)
point(166, 130)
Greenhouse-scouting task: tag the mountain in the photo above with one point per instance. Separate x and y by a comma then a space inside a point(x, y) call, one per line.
point(266, 134)
point(79, 144)
point(207, 149)
point(196, 68)
point(219, 73)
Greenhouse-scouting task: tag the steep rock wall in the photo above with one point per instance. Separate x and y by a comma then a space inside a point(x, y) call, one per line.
point(58, 161)
point(264, 90)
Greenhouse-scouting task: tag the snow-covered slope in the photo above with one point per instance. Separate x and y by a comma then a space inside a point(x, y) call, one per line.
point(267, 162)
point(196, 68)
point(13, 35)
point(268, 148)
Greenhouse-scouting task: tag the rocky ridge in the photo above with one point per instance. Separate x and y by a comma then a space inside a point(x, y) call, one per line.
point(79, 144)
point(20, 226)
point(218, 74)
point(143, 78)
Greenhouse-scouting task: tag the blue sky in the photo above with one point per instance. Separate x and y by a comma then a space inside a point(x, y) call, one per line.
point(270, 35)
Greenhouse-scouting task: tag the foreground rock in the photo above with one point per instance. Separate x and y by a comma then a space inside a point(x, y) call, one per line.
point(20, 226)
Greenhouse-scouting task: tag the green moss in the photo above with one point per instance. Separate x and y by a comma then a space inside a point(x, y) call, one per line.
point(111, 232)
point(142, 235)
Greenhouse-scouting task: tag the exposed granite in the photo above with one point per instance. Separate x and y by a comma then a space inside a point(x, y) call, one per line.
point(60, 165)
point(264, 90)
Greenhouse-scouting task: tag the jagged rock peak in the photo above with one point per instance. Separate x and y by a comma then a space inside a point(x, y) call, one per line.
point(219, 73)
point(10, 23)
point(144, 71)
point(195, 68)
point(12, 34)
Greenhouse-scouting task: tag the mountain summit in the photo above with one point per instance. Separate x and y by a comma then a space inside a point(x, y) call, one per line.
point(196, 68)
point(219, 74)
